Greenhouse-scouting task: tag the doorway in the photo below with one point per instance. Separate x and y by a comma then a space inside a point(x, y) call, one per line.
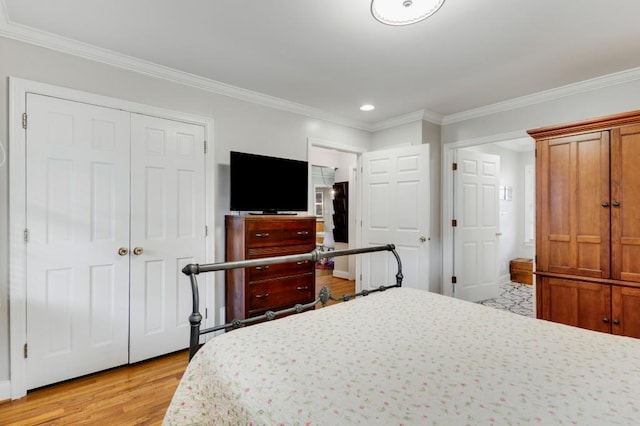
point(516, 210)
point(333, 163)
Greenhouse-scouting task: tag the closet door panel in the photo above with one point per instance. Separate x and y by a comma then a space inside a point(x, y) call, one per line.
point(167, 231)
point(77, 213)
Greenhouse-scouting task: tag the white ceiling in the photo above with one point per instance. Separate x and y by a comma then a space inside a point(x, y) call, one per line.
point(331, 56)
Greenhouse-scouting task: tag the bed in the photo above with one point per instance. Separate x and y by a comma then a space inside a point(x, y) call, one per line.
point(410, 357)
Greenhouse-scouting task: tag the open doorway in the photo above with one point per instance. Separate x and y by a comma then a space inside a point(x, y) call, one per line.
point(515, 216)
point(333, 170)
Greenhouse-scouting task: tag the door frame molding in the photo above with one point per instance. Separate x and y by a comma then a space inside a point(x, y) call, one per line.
point(18, 89)
point(447, 200)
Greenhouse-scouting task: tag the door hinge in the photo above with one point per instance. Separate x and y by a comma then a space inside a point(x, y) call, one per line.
point(26, 235)
point(206, 313)
point(24, 120)
point(454, 279)
point(206, 231)
point(454, 222)
point(25, 350)
point(454, 166)
point(205, 147)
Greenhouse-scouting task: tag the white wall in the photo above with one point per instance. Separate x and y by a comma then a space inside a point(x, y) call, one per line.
point(403, 135)
point(238, 125)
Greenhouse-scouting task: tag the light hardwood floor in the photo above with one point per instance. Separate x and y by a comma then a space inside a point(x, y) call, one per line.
point(136, 394)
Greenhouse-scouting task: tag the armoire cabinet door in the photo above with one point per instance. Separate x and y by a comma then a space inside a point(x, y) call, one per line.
point(573, 205)
point(625, 311)
point(577, 303)
point(625, 203)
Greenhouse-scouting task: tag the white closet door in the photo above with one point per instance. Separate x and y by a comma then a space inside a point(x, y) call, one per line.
point(167, 231)
point(77, 217)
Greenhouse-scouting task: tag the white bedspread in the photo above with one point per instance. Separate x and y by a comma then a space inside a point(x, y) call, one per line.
point(409, 357)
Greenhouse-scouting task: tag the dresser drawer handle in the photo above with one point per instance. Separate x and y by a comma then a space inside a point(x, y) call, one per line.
point(262, 296)
point(305, 233)
point(302, 288)
point(262, 235)
point(262, 268)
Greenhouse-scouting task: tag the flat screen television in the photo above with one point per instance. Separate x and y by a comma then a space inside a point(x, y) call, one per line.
point(268, 185)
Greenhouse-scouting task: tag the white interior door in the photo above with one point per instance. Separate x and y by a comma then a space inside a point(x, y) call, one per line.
point(395, 201)
point(77, 215)
point(476, 210)
point(167, 231)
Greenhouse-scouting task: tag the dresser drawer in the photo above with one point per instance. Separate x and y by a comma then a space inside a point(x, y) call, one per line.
point(278, 233)
point(260, 273)
point(280, 293)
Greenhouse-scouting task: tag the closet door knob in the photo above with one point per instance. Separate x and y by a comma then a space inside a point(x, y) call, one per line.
point(123, 251)
point(605, 320)
point(616, 321)
point(605, 204)
point(137, 251)
point(615, 204)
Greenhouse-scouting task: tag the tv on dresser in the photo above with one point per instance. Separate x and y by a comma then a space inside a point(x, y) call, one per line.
point(268, 185)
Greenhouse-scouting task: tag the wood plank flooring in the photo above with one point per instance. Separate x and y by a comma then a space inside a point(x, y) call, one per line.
point(137, 394)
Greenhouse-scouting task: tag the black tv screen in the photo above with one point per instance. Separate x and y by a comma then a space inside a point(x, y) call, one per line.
point(268, 184)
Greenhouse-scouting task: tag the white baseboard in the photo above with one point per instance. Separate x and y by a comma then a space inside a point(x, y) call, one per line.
point(5, 390)
point(342, 274)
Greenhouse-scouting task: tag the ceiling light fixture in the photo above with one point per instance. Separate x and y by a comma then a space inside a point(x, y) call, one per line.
point(367, 107)
point(404, 12)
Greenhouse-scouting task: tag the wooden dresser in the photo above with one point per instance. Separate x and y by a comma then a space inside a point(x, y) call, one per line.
point(587, 227)
point(253, 291)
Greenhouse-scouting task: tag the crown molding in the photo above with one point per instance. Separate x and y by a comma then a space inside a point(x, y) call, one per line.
point(65, 45)
point(398, 121)
point(546, 96)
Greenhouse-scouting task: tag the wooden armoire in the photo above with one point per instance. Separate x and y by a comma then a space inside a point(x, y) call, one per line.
point(588, 223)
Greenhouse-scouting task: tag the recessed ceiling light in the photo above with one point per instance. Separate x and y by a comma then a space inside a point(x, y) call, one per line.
point(367, 107)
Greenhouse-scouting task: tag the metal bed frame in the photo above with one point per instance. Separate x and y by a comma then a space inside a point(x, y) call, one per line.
point(193, 269)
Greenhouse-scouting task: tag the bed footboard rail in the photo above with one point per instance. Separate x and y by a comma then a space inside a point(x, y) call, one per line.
point(324, 295)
